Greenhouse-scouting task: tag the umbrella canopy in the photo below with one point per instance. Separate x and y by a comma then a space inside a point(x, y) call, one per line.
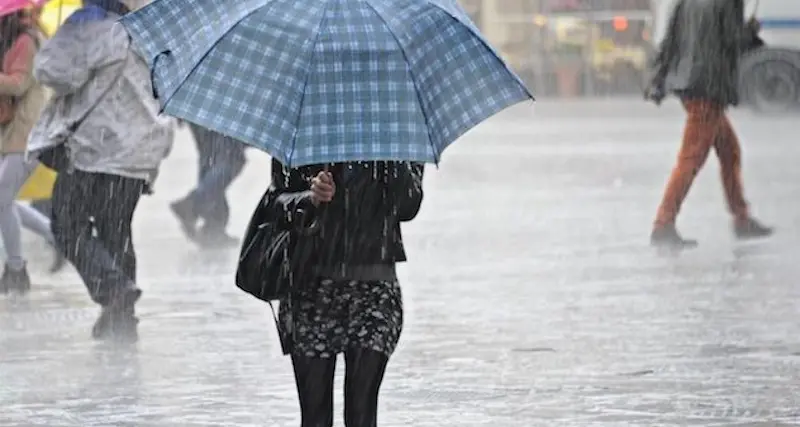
point(8, 7)
point(55, 12)
point(319, 81)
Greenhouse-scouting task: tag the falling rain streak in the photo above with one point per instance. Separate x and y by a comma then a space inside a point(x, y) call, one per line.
point(192, 190)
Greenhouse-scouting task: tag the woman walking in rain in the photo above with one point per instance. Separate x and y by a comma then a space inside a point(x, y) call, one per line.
point(355, 122)
point(21, 101)
point(353, 305)
point(104, 119)
point(698, 62)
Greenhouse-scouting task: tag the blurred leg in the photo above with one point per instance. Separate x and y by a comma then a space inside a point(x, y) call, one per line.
point(113, 224)
point(700, 132)
point(13, 173)
point(44, 206)
point(224, 160)
point(730, 159)
point(33, 220)
point(81, 201)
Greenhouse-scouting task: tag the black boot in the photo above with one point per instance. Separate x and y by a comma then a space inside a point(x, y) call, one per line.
point(667, 237)
point(59, 261)
point(751, 229)
point(118, 319)
point(213, 238)
point(15, 280)
point(185, 212)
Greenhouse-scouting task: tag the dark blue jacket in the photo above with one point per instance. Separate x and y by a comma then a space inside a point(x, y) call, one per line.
point(699, 56)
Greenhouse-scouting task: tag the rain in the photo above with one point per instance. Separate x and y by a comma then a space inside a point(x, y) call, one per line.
point(400, 213)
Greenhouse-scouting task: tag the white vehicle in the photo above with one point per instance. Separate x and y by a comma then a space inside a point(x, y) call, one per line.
point(769, 76)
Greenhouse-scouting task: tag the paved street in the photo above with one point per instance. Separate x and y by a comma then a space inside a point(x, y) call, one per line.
point(532, 296)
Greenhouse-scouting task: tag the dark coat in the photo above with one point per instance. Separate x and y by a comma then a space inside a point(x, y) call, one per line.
point(699, 56)
point(359, 231)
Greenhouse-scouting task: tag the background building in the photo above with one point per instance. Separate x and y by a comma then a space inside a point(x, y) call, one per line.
point(570, 47)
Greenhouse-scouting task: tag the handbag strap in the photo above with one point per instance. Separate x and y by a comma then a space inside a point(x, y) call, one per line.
point(77, 124)
point(274, 314)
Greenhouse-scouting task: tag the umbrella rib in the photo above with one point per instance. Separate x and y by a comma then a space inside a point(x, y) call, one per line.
point(305, 82)
point(413, 80)
point(200, 60)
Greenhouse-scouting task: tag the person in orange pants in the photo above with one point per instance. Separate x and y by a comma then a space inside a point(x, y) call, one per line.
point(698, 61)
point(707, 127)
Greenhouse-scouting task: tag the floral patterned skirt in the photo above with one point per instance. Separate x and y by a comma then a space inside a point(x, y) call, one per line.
point(326, 319)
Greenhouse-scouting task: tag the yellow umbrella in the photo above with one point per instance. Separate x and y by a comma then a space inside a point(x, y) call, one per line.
point(39, 186)
point(55, 12)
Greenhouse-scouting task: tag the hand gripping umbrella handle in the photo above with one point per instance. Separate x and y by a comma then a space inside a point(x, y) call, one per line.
point(321, 211)
point(153, 71)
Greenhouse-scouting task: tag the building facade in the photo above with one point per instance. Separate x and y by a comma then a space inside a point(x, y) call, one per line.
point(570, 47)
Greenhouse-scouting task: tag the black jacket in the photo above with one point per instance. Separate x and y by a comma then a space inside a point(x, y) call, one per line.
point(699, 56)
point(360, 229)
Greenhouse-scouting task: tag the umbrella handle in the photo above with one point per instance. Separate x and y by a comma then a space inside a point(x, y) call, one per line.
point(322, 209)
point(153, 71)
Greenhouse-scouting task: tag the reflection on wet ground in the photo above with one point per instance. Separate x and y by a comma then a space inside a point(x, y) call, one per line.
point(532, 297)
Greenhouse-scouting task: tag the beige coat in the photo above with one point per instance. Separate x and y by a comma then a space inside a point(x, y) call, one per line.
point(17, 80)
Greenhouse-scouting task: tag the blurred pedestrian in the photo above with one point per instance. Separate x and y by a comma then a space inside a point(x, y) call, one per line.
point(698, 62)
point(221, 160)
point(33, 18)
point(21, 101)
point(104, 124)
point(352, 304)
point(41, 205)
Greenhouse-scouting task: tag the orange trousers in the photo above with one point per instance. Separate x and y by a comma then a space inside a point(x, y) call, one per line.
point(706, 126)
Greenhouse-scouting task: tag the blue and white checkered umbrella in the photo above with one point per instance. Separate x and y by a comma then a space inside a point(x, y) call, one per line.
point(319, 81)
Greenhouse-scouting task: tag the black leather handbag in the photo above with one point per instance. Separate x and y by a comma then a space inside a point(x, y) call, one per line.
point(56, 157)
point(274, 259)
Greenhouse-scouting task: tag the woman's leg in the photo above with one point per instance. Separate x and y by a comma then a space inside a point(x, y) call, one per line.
point(314, 380)
point(13, 174)
point(363, 377)
point(376, 322)
point(44, 206)
point(14, 170)
point(33, 220)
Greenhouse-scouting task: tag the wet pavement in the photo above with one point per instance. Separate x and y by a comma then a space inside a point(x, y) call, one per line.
point(532, 296)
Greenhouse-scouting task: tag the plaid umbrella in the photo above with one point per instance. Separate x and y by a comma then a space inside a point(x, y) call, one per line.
point(319, 81)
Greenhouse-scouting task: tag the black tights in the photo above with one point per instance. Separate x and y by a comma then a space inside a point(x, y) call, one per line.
point(363, 376)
